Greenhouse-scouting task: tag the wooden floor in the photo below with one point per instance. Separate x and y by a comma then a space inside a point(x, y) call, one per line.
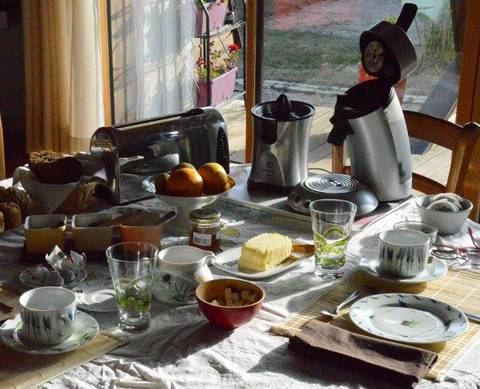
point(434, 164)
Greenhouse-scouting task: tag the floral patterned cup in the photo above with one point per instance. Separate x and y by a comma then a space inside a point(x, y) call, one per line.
point(48, 315)
point(403, 253)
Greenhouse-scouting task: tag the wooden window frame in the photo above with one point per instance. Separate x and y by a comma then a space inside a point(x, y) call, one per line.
point(468, 107)
point(251, 78)
point(105, 58)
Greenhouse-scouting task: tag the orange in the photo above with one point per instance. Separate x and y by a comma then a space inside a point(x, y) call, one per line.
point(161, 183)
point(183, 165)
point(214, 177)
point(185, 182)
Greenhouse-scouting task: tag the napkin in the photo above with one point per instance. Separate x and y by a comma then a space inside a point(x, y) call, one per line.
point(398, 362)
point(48, 197)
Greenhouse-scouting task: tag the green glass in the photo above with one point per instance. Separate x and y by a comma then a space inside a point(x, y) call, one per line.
point(132, 267)
point(331, 224)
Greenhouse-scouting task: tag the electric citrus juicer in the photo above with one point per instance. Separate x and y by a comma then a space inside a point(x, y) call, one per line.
point(280, 144)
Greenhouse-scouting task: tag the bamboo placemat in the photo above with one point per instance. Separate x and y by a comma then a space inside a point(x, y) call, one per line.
point(460, 289)
point(20, 370)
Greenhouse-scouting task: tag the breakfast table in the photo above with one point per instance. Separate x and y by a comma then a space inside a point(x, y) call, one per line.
point(182, 350)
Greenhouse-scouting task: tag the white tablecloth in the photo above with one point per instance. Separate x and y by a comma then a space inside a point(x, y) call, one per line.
point(181, 350)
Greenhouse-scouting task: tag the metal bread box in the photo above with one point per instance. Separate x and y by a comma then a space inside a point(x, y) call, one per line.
point(130, 153)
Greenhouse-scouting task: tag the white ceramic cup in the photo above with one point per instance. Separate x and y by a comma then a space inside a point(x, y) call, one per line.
point(403, 253)
point(48, 315)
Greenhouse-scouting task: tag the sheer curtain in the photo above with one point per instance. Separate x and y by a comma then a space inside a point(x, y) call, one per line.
point(63, 79)
point(153, 57)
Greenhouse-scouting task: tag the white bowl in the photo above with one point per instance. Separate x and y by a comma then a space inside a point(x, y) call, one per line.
point(447, 223)
point(184, 204)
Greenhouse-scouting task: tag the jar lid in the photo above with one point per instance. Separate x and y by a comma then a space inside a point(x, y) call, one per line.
point(205, 215)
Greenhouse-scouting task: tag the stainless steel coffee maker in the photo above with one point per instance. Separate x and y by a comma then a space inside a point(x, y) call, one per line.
point(280, 144)
point(369, 115)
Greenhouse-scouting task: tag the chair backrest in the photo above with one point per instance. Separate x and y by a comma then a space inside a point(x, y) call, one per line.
point(2, 153)
point(464, 142)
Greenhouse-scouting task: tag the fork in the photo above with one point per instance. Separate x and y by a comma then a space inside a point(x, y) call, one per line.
point(333, 312)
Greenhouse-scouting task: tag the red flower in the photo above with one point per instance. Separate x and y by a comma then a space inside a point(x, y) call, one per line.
point(233, 47)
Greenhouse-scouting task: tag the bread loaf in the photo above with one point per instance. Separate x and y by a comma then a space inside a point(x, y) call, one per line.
point(11, 214)
point(14, 195)
point(54, 168)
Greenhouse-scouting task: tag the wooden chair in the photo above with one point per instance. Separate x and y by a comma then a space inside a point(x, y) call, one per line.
point(464, 174)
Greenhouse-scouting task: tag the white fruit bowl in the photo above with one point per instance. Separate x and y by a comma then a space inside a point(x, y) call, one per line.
point(184, 204)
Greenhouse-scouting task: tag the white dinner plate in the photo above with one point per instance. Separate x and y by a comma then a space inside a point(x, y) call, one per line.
point(408, 318)
point(435, 269)
point(86, 328)
point(227, 261)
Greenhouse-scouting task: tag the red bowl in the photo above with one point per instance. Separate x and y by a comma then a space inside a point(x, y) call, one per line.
point(227, 317)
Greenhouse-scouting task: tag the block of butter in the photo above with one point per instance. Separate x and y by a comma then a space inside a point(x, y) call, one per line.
point(265, 251)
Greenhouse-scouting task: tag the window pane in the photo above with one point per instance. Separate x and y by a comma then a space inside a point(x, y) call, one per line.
point(153, 55)
point(159, 55)
point(312, 47)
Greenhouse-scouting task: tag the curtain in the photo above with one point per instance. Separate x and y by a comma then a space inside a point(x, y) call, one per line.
point(154, 54)
point(63, 73)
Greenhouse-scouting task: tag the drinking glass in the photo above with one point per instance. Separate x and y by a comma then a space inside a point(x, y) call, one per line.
point(332, 224)
point(132, 266)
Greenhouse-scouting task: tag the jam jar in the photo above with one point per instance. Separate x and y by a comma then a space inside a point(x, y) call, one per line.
point(205, 228)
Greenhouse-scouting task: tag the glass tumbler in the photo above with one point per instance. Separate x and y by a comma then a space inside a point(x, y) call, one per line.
point(332, 221)
point(132, 267)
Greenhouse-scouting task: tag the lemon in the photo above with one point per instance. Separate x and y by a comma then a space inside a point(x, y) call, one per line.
point(319, 240)
point(335, 233)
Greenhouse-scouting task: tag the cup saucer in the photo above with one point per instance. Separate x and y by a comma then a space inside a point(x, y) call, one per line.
point(27, 279)
point(96, 296)
point(86, 328)
point(435, 269)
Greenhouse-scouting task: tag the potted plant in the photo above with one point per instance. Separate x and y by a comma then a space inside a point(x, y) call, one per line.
point(223, 73)
point(217, 10)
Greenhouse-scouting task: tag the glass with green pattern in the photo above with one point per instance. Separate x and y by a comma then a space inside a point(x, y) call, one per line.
point(332, 221)
point(132, 267)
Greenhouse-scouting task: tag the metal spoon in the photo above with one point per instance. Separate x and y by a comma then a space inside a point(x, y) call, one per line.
point(333, 312)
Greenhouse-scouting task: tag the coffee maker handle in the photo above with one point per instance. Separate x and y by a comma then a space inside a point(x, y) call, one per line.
point(406, 16)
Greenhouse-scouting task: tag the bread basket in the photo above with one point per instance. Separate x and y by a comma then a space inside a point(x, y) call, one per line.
point(69, 199)
point(79, 200)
